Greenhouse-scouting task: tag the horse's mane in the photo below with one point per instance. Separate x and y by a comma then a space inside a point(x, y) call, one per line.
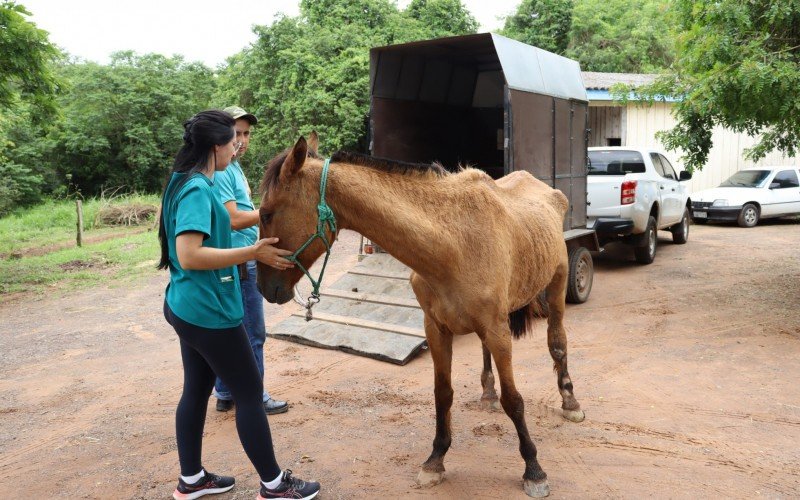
point(388, 165)
point(272, 171)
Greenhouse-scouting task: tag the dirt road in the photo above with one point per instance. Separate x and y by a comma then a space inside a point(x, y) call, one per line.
point(687, 370)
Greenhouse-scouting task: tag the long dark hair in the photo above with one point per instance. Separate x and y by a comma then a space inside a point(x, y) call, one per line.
point(201, 133)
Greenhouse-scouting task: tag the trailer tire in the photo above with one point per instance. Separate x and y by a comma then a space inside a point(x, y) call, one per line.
point(581, 275)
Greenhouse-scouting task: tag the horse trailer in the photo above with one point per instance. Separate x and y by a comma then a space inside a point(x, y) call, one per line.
point(491, 103)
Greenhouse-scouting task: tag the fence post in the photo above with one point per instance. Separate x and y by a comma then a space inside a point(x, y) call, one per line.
point(79, 207)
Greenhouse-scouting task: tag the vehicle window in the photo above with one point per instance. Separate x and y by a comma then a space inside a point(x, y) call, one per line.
point(669, 171)
point(787, 179)
point(746, 178)
point(615, 162)
point(657, 164)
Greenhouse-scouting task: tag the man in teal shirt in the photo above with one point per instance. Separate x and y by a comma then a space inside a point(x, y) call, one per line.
point(234, 193)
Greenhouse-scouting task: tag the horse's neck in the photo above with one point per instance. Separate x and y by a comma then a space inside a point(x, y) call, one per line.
point(393, 210)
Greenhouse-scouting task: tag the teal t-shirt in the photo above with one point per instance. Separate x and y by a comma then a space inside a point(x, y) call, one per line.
point(209, 299)
point(233, 186)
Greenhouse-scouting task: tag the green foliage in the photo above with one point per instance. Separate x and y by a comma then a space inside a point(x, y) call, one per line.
point(38, 248)
point(20, 182)
point(25, 70)
point(27, 91)
point(18, 186)
point(333, 14)
point(622, 36)
point(312, 72)
point(542, 23)
point(116, 261)
point(443, 17)
point(738, 66)
point(122, 122)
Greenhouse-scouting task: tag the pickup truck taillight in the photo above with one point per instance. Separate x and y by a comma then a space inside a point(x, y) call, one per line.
point(628, 194)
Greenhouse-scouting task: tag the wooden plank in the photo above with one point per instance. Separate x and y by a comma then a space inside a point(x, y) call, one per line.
point(374, 325)
point(375, 344)
point(373, 298)
point(382, 274)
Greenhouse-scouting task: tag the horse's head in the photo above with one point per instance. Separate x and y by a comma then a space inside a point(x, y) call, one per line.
point(288, 211)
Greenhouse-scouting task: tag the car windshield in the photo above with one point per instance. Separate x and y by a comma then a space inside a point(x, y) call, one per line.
point(615, 162)
point(746, 178)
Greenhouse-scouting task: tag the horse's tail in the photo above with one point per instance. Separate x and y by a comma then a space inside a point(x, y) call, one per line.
point(521, 320)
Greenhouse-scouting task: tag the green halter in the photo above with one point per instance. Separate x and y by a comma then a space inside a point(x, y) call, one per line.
point(325, 216)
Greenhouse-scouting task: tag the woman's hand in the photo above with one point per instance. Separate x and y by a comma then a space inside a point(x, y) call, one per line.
point(272, 256)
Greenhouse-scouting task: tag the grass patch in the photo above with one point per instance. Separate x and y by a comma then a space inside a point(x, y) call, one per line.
point(54, 223)
point(118, 259)
point(40, 251)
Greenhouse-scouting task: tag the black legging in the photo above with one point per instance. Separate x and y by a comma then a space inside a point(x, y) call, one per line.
point(208, 353)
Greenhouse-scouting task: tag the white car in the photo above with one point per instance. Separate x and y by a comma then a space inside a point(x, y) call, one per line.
point(749, 196)
point(632, 192)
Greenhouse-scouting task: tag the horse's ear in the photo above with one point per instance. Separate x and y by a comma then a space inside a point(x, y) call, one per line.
point(295, 159)
point(313, 142)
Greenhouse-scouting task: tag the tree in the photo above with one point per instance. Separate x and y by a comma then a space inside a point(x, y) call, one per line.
point(622, 36)
point(25, 70)
point(19, 184)
point(443, 17)
point(122, 122)
point(738, 66)
point(542, 23)
point(27, 91)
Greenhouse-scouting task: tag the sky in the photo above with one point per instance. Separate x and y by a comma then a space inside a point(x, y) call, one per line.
point(200, 30)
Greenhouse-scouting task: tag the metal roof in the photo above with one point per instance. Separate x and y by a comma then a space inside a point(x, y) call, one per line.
point(604, 81)
point(598, 85)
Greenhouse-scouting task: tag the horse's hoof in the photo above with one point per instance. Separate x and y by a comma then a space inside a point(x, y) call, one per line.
point(491, 405)
point(536, 489)
point(428, 479)
point(573, 415)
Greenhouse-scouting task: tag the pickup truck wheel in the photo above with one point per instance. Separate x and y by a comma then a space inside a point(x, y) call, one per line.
point(646, 253)
point(680, 231)
point(749, 215)
point(581, 275)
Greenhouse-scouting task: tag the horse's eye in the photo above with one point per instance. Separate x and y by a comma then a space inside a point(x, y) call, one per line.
point(265, 217)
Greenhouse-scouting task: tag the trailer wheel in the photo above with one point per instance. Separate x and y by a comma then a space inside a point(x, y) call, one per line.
point(581, 275)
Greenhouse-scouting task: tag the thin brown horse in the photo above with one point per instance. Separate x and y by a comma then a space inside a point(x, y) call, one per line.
point(481, 252)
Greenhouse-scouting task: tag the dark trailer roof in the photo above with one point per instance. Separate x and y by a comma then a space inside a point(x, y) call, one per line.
point(446, 70)
point(485, 101)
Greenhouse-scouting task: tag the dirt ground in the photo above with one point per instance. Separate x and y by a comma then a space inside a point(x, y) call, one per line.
point(687, 370)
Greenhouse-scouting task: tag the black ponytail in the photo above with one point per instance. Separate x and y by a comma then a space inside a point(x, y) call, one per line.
point(201, 133)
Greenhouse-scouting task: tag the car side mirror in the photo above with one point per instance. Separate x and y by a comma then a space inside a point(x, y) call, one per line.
point(775, 185)
point(685, 176)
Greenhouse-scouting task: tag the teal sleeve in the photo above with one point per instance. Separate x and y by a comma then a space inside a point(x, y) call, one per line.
point(193, 212)
point(225, 183)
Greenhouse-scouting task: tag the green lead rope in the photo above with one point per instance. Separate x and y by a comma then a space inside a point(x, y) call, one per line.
point(325, 217)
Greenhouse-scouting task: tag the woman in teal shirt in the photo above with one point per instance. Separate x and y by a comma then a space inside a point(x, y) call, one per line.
point(203, 304)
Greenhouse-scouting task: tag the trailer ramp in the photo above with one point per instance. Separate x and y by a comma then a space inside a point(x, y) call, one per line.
point(370, 311)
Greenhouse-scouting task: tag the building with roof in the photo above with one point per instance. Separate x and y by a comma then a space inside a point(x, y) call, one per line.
point(636, 124)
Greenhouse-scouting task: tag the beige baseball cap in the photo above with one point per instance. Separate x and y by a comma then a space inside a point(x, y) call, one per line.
point(236, 112)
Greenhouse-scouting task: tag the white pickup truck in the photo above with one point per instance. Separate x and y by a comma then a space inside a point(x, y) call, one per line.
point(632, 193)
